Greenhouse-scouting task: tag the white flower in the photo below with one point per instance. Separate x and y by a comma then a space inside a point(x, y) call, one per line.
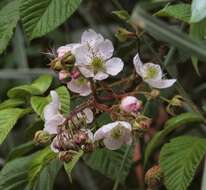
point(80, 85)
point(67, 48)
point(114, 134)
point(52, 116)
point(130, 104)
point(87, 114)
point(151, 74)
point(94, 57)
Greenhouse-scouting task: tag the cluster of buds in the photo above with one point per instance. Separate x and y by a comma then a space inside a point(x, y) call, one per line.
point(66, 145)
point(63, 63)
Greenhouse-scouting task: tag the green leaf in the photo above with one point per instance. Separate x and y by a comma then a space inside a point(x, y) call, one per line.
point(41, 159)
point(38, 103)
point(14, 174)
point(122, 14)
point(71, 164)
point(10, 103)
point(198, 10)
point(42, 16)
point(38, 87)
point(171, 125)
point(179, 11)
point(21, 150)
point(8, 118)
point(64, 97)
point(197, 32)
point(166, 33)
point(108, 162)
point(179, 160)
point(9, 16)
point(46, 179)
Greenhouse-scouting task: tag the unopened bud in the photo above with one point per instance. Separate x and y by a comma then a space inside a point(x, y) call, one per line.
point(42, 137)
point(68, 58)
point(130, 104)
point(153, 177)
point(88, 147)
point(177, 101)
point(154, 93)
point(80, 138)
point(64, 74)
point(75, 74)
point(141, 125)
point(65, 156)
point(56, 64)
point(122, 34)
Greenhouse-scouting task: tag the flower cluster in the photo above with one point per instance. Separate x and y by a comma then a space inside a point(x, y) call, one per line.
point(83, 67)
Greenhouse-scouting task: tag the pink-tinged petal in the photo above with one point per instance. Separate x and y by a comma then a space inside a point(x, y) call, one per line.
point(67, 48)
point(147, 66)
point(83, 55)
point(114, 66)
point(90, 37)
point(63, 74)
point(52, 108)
point(51, 125)
point(138, 65)
point(101, 132)
point(101, 76)
point(83, 89)
point(130, 104)
point(54, 145)
point(86, 71)
point(112, 144)
point(89, 115)
point(104, 49)
point(164, 83)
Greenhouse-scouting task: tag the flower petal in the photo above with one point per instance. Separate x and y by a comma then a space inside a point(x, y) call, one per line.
point(53, 145)
point(101, 76)
point(104, 49)
point(64, 49)
point(91, 37)
point(112, 144)
point(126, 125)
point(138, 65)
point(82, 89)
point(52, 108)
point(83, 55)
point(101, 132)
point(114, 66)
point(158, 69)
point(127, 137)
point(164, 83)
point(89, 115)
point(51, 126)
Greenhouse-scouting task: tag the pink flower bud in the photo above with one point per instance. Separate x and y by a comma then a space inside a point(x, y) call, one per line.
point(63, 74)
point(75, 74)
point(130, 104)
